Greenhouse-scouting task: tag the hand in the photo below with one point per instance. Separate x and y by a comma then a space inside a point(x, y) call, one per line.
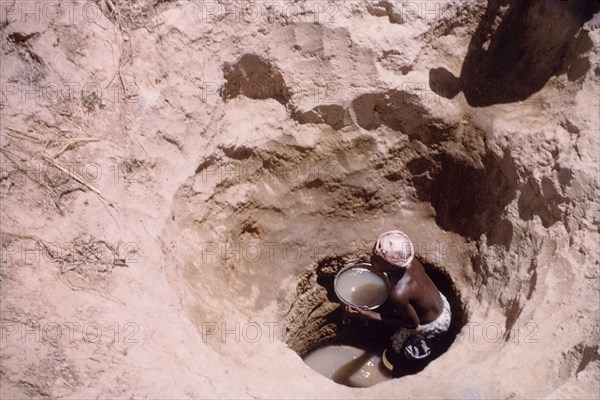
point(361, 258)
point(358, 312)
point(365, 258)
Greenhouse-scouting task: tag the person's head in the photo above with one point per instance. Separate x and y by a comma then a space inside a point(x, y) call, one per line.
point(393, 250)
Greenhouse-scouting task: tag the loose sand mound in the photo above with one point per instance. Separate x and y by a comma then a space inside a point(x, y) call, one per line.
point(181, 180)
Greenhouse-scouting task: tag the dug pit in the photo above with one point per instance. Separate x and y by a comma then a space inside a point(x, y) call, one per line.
point(262, 227)
point(255, 230)
point(321, 331)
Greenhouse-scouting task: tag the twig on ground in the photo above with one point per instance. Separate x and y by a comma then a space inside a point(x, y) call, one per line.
point(24, 172)
point(94, 291)
point(81, 264)
point(69, 144)
point(74, 176)
point(61, 194)
point(22, 134)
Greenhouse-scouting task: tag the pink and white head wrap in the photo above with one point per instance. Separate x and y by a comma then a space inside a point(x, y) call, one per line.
point(395, 247)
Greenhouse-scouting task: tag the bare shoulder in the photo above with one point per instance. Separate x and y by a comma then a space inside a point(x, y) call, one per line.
point(401, 293)
point(417, 267)
point(419, 274)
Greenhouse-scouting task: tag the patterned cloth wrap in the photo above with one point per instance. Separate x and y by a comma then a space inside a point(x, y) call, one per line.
point(416, 343)
point(395, 247)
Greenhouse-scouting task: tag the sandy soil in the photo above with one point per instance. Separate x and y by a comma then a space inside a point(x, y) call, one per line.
point(175, 173)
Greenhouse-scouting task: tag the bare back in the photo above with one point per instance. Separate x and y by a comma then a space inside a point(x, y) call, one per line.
point(416, 296)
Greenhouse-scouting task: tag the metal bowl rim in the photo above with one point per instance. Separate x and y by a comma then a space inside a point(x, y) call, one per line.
point(363, 265)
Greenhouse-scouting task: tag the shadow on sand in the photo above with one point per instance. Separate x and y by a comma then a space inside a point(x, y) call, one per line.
point(517, 47)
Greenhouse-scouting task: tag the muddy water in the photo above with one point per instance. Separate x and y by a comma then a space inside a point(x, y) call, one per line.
point(347, 365)
point(361, 287)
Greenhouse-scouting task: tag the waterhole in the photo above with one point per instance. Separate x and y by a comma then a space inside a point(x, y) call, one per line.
point(263, 225)
point(265, 246)
point(348, 365)
point(349, 351)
